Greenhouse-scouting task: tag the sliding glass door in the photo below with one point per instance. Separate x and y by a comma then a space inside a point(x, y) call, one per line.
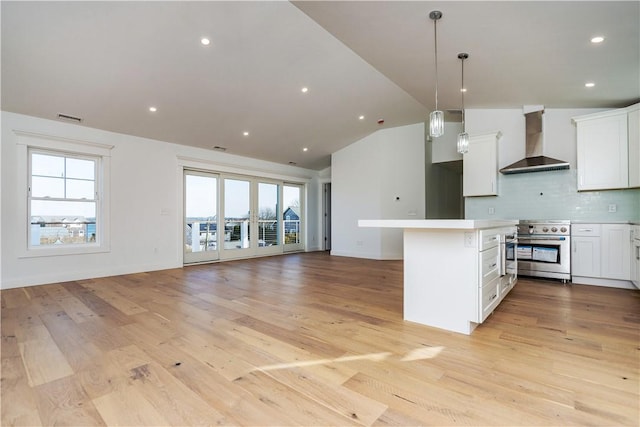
point(230, 216)
point(252, 220)
point(292, 214)
point(200, 217)
point(269, 224)
point(237, 214)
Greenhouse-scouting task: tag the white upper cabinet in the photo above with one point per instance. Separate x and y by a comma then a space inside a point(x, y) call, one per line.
point(608, 149)
point(633, 125)
point(480, 166)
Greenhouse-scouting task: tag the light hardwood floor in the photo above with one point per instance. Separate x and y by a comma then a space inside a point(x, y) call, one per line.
point(310, 339)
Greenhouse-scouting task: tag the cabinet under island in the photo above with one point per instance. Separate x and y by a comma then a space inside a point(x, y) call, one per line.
point(456, 272)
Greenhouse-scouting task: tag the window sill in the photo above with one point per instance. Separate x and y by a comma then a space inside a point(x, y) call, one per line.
point(63, 251)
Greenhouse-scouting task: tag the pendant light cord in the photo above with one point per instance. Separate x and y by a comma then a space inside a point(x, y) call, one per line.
point(435, 41)
point(462, 57)
point(462, 90)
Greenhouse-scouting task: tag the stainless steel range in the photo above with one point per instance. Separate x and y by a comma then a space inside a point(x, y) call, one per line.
point(544, 249)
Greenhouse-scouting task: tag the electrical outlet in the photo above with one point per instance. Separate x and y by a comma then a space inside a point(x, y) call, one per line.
point(492, 210)
point(613, 208)
point(469, 240)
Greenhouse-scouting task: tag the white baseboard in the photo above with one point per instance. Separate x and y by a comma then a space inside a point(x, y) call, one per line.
point(58, 277)
point(597, 281)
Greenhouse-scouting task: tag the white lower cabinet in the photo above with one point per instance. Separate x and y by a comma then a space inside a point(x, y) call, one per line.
point(585, 251)
point(616, 251)
point(601, 254)
point(635, 256)
point(490, 280)
point(489, 298)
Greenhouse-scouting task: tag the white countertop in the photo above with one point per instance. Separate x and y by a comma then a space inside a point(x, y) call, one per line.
point(581, 221)
point(450, 224)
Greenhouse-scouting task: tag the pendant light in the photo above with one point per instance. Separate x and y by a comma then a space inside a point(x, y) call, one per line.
point(436, 118)
point(463, 137)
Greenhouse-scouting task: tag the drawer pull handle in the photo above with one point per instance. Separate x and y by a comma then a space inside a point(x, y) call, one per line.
point(585, 229)
point(494, 296)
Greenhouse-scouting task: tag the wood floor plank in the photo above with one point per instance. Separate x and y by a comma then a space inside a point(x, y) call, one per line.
point(18, 401)
point(302, 409)
point(105, 291)
point(127, 407)
point(74, 308)
point(311, 339)
point(64, 402)
point(77, 350)
point(42, 359)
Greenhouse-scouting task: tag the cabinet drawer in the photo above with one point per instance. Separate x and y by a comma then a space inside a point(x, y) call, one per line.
point(489, 239)
point(586, 230)
point(489, 299)
point(506, 283)
point(489, 266)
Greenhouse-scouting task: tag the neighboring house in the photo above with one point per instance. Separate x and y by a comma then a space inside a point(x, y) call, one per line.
point(61, 229)
point(291, 219)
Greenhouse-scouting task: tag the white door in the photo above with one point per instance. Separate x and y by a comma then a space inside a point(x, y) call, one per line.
point(236, 215)
point(293, 217)
point(200, 217)
point(252, 220)
point(268, 217)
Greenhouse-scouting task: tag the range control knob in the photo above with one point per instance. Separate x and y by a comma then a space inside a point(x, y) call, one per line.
point(545, 229)
point(554, 229)
point(563, 229)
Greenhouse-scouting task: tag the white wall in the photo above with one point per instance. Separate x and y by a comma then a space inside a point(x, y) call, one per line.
point(146, 203)
point(378, 177)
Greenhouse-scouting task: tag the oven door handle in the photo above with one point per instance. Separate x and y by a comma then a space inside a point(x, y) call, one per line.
point(543, 239)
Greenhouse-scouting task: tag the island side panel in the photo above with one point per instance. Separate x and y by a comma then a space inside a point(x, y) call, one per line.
point(441, 278)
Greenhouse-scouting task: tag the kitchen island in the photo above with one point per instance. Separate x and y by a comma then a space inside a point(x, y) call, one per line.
point(455, 273)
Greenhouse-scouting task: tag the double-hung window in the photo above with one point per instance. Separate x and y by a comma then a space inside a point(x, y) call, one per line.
point(64, 206)
point(64, 203)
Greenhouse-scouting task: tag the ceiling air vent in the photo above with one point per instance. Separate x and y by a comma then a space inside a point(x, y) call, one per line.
point(69, 118)
point(219, 148)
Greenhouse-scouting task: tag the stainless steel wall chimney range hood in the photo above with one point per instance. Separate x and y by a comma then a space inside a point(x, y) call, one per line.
point(534, 161)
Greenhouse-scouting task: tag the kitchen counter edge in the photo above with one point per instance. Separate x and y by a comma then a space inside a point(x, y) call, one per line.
point(435, 224)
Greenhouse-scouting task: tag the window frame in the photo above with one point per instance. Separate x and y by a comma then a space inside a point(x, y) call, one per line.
point(29, 143)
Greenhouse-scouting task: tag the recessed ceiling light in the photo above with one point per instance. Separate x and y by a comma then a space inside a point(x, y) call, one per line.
point(464, 89)
point(205, 41)
point(153, 109)
point(305, 89)
point(589, 84)
point(361, 118)
point(597, 39)
point(245, 133)
point(305, 149)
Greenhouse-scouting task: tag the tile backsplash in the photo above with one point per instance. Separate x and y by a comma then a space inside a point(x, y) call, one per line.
point(553, 195)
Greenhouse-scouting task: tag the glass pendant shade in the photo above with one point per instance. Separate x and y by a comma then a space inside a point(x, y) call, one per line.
point(463, 142)
point(436, 123)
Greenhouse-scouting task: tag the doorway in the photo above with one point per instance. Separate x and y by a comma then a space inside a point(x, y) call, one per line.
point(326, 215)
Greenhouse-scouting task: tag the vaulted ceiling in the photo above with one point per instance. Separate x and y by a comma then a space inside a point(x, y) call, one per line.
point(109, 62)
